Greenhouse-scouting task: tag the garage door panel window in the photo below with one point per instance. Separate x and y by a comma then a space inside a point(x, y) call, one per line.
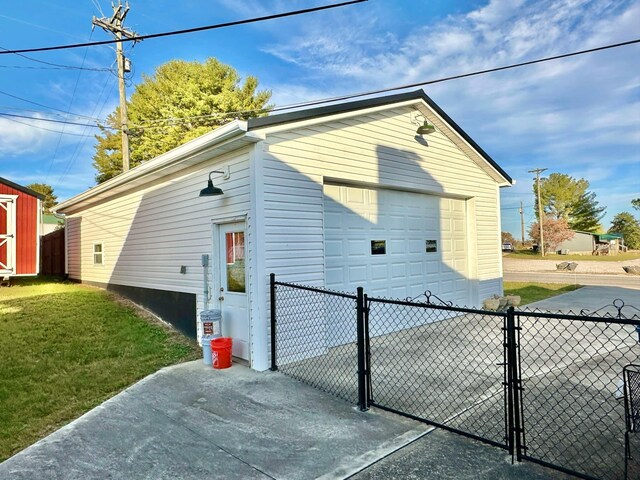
point(378, 247)
point(396, 244)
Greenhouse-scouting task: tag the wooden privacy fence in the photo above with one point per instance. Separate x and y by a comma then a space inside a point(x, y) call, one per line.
point(52, 253)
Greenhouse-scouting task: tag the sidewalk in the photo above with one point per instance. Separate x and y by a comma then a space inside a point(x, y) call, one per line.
point(190, 422)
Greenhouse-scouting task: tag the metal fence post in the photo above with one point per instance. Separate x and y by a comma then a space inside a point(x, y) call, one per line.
point(272, 294)
point(362, 352)
point(367, 339)
point(514, 384)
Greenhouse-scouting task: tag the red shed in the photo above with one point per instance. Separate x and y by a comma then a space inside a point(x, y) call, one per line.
point(20, 210)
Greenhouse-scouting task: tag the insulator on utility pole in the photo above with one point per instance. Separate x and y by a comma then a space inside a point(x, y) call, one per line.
point(114, 26)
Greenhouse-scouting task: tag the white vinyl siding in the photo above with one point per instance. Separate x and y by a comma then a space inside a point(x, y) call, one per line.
point(151, 232)
point(371, 149)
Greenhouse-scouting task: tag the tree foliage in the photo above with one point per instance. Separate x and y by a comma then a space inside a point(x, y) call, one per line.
point(635, 203)
point(563, 196)
point(50, 199)
point(627, 225)
point(507, 237)
point(175, 105)
point(555, 230)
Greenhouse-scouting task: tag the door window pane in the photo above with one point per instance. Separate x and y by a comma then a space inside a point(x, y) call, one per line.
point(234, 244)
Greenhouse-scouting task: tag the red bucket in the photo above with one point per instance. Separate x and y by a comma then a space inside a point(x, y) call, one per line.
point(221, 352)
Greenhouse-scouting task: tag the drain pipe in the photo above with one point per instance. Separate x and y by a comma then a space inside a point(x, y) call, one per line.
point(207, 291)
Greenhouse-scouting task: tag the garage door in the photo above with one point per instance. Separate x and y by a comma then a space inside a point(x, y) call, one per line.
point(395, 244)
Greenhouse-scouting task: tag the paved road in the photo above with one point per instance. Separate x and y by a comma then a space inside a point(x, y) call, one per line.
point(623, 281)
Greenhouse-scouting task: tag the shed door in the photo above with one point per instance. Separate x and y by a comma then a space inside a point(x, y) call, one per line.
point(395, 244)
point(7, 234)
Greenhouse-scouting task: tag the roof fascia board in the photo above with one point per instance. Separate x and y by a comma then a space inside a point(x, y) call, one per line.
point(221, 136)
point(467, 139)
point(26, 190)
point(301, 118)
point(305, 122)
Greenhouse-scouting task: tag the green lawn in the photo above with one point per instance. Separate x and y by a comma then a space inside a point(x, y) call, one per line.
point(65, 348)
point(532, 292)
point(529, 255)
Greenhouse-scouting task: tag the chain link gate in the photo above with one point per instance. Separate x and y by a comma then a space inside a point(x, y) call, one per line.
point(545, 386)
point(443, 365)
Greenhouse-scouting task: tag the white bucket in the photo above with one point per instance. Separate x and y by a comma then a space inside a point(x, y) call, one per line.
point(206, 350)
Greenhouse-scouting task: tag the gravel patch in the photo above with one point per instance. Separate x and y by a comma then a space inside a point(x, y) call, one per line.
point(589, 266)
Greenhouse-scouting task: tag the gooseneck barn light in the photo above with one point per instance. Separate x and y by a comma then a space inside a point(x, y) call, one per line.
point(425, 127)
point(212, 191)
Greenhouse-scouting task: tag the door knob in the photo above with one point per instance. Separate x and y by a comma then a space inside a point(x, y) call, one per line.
point(221, 298)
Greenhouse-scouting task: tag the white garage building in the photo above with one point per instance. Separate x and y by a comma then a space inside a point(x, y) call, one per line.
point(339, 196)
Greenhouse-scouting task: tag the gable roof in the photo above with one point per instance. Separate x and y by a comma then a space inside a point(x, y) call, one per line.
point(311, 113)
point(238, 133)
point(26, 190)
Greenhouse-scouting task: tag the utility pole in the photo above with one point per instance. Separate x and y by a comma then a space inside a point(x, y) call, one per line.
point(114, 26)
point(538, 171)
point(522, 220)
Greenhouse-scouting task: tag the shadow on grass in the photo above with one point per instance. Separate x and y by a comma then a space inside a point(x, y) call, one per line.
point(39, 280)
point(66, 352)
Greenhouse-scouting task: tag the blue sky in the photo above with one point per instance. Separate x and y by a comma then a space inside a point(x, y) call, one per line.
point(579, 116)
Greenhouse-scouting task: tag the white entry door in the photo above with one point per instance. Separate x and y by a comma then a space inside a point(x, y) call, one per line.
point(233, 287)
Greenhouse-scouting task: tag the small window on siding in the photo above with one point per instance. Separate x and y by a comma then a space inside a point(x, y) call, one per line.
point(432, 246)
point(378, 247)
point(98, 254)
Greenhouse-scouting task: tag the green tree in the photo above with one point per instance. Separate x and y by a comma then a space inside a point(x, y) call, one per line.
point(587, 214)
point(50, 199)
point(627, 225)
point(555, 230)
point(564, 197)
point(179, 102)
point(635, 203)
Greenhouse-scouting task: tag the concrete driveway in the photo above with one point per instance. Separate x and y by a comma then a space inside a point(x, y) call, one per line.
point(192, 422)
point(449, 369)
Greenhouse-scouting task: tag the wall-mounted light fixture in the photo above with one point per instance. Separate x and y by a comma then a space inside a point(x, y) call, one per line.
point(424, 126)
point(212, 191)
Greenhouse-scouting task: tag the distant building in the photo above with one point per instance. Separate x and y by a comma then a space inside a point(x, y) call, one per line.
point(586, 243)
point(50, 223)
point(20, 210)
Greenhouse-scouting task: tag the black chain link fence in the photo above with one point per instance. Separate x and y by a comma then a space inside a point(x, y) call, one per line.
point(546, 385)
point(572, 389)
point(316, 338)
point(442, 364)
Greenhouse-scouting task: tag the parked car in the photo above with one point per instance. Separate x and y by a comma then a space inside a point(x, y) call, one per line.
point(507, 247)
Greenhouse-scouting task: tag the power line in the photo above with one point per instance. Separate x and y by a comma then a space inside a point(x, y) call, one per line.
point(52, 66)
point(187, 30)
point(471, 74)
point(76, 153)
point(400, 87)
point(4, 114)
point(47, 129)
point(45, 106)
point(150, 123)
point(73, 97)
